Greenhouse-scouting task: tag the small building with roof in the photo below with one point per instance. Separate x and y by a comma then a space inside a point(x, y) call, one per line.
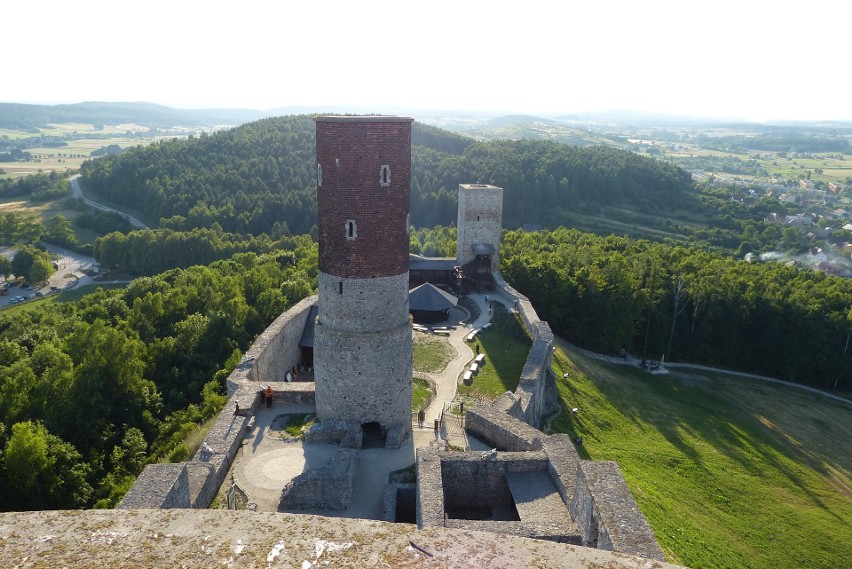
point(429, 304)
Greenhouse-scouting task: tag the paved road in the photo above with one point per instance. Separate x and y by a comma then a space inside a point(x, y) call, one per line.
point(78, 193)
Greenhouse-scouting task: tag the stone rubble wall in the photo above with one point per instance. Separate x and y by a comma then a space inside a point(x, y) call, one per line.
point(563, 463)
point(394, 492)
point(160, 486)
point(532, 400)
point(344, 433)
point(202, 484)
point(327, 488)
point(470, 480)
point(429, 507)
point(503, 431)
point(607, 513)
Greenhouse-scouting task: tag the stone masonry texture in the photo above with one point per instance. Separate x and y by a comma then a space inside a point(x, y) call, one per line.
point(362, 338)
point(148, 539)
point(480, 221)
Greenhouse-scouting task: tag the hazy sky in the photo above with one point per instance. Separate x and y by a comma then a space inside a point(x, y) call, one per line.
point(751, 59)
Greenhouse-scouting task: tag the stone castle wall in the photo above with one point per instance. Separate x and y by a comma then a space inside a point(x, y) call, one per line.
point(328, 487)
point(160, 486)
point(607, 513)
point(275, 351)
point(536, 392)
point(194, 484)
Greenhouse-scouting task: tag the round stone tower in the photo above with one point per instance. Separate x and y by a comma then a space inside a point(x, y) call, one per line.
point(362, 342)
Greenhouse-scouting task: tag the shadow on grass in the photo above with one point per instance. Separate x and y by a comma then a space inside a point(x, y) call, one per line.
point(682, 414)
point(506, 347)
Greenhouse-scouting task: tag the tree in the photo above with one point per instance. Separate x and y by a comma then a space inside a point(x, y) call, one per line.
point(26, 458)
point(129, 456)
point(678, 305)
point(23, 260)
point(44, 466)
point(58, 230)
point(5, 267)
point(40, 270)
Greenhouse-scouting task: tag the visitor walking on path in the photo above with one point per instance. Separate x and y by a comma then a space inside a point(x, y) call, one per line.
point(268, 396)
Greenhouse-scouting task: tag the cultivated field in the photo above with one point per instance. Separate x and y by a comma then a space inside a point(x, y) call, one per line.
point(82, 140)
point(730, 472)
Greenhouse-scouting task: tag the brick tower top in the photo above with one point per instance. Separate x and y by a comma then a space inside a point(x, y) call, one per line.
point(363, 192)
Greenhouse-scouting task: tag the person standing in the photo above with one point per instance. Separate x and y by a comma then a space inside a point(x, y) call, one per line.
point(268, 396)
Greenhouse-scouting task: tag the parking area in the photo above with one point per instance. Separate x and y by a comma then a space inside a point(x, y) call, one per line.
point(71, 269)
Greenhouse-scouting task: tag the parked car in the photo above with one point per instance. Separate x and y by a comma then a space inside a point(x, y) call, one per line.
point(54, 288)
point(39, 293)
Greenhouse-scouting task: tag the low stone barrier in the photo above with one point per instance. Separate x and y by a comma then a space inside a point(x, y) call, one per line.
point(326, 488)
point(607, 513)
point(503, 431)
point(159, 486)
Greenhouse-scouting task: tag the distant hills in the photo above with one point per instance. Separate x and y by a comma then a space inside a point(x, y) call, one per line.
point(571, 128)
point(32, 117)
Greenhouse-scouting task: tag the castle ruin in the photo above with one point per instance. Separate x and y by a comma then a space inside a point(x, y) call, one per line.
point(362, 337)
point(530, 485)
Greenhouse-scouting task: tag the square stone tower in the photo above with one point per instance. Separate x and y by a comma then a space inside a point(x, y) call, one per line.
point(362, 342)
point(479, 224)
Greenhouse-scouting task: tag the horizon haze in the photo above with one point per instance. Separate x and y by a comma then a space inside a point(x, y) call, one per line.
point(757, 61)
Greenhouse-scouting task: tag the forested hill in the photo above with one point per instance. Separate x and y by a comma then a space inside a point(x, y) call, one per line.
point(33, 117)
point(259, 178)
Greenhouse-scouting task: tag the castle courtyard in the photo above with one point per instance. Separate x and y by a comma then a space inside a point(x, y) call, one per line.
point(268, 459)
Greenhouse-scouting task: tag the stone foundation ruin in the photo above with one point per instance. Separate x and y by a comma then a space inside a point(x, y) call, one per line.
point(532, 485)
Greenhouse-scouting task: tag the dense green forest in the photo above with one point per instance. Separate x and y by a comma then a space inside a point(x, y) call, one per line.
point(91, 391)
point(38, 187)
point(149, 252)
point(259, 178)
point(613, 293)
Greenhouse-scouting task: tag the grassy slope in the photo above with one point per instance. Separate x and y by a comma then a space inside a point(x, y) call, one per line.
point(506, 346)
point(729, 472)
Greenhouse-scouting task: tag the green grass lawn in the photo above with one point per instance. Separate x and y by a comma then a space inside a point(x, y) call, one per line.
point(505, 345)
point(730, 472)
point(431, 353)
point(421, 392)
